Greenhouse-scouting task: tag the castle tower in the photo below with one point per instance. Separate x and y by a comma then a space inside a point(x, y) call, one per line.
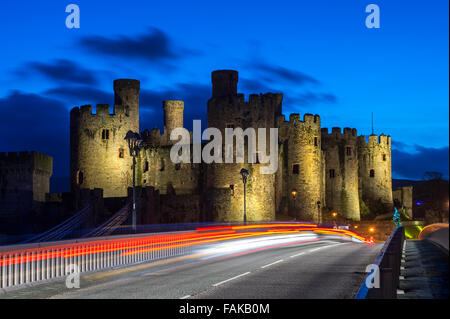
point(99, 154)
point(173, 117)
point(304, 166)
point(341, 172)
point(126, 93)
point(228, 109)
point(224, 83)
point(375, 174)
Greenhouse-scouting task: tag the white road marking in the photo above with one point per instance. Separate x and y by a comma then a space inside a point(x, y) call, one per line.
point(275, 262)
point(222, 282)
point(185, 297)
point(312, 250)
point(400, 292)
point(402, 277)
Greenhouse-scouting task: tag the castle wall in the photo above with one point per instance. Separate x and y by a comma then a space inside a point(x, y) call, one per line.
point(100, 156)
point(403, 198)
point(341, 168)
point(155, 168)
point(375, 174)
point(24, 180)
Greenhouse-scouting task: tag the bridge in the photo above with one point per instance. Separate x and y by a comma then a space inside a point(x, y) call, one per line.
point(274, 260)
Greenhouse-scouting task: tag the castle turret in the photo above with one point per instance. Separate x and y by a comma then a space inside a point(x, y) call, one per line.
point(99, 154)
point(341, 172)
point(304, 166)
point(173, 117)
point(375, 174)
point(126, 93)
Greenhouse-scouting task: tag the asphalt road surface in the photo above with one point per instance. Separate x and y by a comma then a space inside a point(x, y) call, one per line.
point(322, 268)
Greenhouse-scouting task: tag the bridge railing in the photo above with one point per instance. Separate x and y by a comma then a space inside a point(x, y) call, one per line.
point(388, 263)
point(26, 264)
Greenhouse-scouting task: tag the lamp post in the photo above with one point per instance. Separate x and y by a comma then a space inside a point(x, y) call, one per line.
point(244, 174)
point(334, 214)
point(318, 211)
point(135, 144)
point(294, 196)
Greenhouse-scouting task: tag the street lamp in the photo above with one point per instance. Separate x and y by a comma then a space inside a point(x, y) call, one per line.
point(244, 174)
point(294, 196)
point(135, 144)
point(318, 210)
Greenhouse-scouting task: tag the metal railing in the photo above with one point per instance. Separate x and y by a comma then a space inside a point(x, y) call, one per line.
point(30, 263)
point(112, 224)
point(63, 229)
point(388, 263)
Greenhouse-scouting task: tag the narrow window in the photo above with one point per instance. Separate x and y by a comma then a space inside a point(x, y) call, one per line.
point(146, 166)
point(349, 151)
point(232, 190)
point(316, 141)
point(295, 169)
point(372, 173)
point(384, 157)
point(105, 134)
point(332, 174)
point(79, 177)
point(121, 153)
point(162, 164)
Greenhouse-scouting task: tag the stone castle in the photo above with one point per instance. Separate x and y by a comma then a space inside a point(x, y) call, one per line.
point(339, 169)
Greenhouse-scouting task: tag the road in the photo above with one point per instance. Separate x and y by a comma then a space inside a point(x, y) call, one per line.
point(324, 267)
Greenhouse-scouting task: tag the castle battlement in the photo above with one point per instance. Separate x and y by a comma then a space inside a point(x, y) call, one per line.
point(101, 110)
point(27, 159)
point(383, 140)
point(308, 120)
point(337, 133)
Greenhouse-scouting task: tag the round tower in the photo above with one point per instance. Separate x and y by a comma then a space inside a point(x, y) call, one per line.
point(100, 157)
point(304, 168)
point(228, 109)
point(341, 172)
point(173, 116)
point(375, 174)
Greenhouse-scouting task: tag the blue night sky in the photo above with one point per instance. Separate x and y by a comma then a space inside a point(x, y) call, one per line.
point(318, 53)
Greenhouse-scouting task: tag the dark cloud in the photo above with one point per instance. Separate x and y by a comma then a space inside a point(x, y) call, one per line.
point(279, 73)
point(79, 95)
point(32, 122)
point(413, 165)
point(153, 45)
point(310, 98)
point(59, 70)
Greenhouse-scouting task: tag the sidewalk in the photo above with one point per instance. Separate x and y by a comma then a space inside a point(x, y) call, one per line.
point(424, 273)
